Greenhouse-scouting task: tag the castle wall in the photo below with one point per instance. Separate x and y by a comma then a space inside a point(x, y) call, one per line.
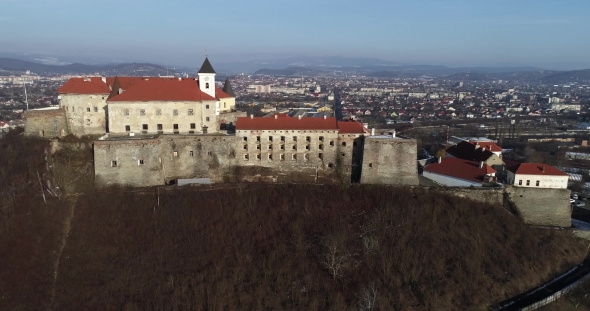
point(128, 162)
point(165, 113)
point(86, 114)
point(389, 160)
point(549, 207)
point(46, 123)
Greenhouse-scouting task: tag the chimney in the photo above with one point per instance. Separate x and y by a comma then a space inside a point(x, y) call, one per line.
point(542, 169)
point(481, 164)
point(325, 117)
point(104, 79)
point(251, 116)
point(393, 134)
point(276, 116)
point(299, 116)
point(373, 132)
point(439, 159)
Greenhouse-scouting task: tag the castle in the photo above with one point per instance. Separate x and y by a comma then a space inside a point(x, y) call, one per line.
point(158, 130)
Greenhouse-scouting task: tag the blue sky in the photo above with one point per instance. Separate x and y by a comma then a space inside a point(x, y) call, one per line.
point(546, 34)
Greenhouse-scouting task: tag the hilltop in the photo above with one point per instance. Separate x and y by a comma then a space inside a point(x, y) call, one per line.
point(259, 246)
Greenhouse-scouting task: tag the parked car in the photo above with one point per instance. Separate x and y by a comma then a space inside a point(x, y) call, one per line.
point(572, 201)
point(579, 204)
point(574, 196)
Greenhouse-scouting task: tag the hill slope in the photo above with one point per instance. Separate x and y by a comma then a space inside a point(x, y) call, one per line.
point(279, 247)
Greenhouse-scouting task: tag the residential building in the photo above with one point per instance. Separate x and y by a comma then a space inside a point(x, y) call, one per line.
point(536, 175)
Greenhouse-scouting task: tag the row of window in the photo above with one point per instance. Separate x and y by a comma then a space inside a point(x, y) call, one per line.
point(293, 147)
point(160, 127)
point(189, 112)
point(141, 162)
point(282, 156)
point(528, 183)
point(88, 109)
point(294, 139)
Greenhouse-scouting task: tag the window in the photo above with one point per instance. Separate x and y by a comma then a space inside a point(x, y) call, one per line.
point(223, 104)
point(308, 139)
point(175, 127)
point(321, 147)
point(67, 108)
point(307, 147)
point(282, 157)
point(144, 127)
point(269, 147)
point(207, 85)
point(520, 182)
point(158, 112)
point(331, 143)
point(330, 165)
point(246, 157)
point(175, 112)
point(270, 157)
point(191, 153)
point(192, 126)
point(344, 143)
point(282, 147)
point(95, 109)
point(245, 147)
point(294, 147)
point(74, 109)
point(294, 157)
point(538, 182)
point(207, 119)
point(113, 163)
point(282, 138)
point(321, 155)
point(257, 138)
point(269, 138)
point(142, 112)
point(210, 153)
point(321, 138)
point(175, 153)
point(159, 126)
point(87, 109)
point(257, 147)
point(370, 165)
point(258, 156)
point(306, 157)
point(294, 138)
point(206, 106)
point(126, 112)
point(140, 162)
point(127, 128)
point(191, 112)
point(528, 182)
point(245, 138)
point(343, 154)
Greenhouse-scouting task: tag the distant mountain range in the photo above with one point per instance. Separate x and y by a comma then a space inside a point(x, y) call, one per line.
point(15, 66)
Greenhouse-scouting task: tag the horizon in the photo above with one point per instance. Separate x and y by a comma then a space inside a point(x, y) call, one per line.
point(456, 33)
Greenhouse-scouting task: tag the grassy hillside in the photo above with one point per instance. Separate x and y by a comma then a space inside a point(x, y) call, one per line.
point(272, 247)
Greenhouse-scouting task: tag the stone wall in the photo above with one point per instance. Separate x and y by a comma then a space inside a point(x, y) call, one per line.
point(550, 207)
point(86, 114)
point(389, 160)
point(483, 195)
point(46, 123)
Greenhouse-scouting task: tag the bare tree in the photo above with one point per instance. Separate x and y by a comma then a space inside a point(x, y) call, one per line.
point(368, 298)
point(335, 258)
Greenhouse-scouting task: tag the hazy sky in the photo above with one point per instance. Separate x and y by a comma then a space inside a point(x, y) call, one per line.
point(542, 33)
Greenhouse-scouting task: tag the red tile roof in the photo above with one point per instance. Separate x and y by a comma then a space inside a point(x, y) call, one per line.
point(288, 123)
point(158, 89)
point(219, 93)
point(536, 169)
point(459, 168)
point(487, 145)
point(93, 85)
point(351, 127)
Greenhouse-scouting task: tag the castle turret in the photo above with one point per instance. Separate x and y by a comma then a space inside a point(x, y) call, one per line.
point(207, 78)
point(227, 88)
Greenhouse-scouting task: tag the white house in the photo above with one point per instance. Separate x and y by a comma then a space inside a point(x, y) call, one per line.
point(537, 175)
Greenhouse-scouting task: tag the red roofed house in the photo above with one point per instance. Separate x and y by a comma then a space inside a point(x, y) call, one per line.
point(488, 152)
point(454, 172)
point(537, 175)
point(302, 142)
point(147, 105)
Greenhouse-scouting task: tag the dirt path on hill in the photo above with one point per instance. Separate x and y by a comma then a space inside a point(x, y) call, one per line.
point(72, 201)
